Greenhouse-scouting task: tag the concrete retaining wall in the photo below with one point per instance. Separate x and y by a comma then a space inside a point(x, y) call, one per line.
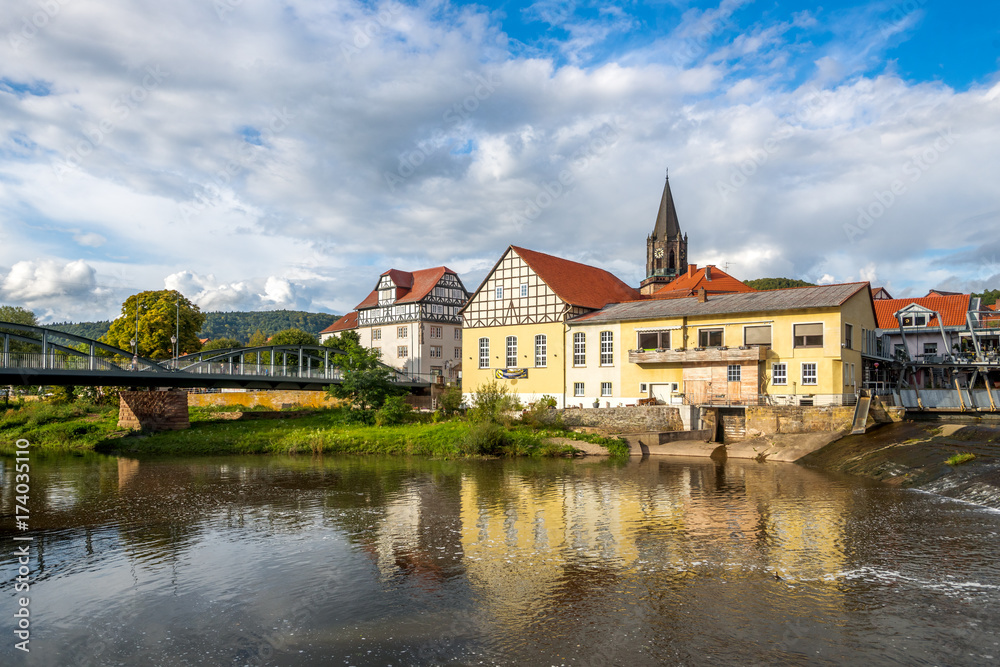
point(774, 419)
point(153, 410)
point(620, 420)
point(275, 399)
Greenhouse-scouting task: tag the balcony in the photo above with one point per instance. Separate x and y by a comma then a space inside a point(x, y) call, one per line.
point(714, 355)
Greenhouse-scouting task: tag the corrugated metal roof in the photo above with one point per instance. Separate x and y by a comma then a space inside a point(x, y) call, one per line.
point(795, 298)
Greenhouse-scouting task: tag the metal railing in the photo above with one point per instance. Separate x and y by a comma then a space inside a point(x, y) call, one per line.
point(743, 400)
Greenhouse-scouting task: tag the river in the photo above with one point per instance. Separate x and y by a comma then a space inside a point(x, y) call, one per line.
point(395, 561)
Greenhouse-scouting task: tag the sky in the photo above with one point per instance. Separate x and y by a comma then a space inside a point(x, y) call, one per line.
point(257, 154)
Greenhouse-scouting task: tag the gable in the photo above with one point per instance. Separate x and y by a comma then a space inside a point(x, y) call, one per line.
point(540, 305)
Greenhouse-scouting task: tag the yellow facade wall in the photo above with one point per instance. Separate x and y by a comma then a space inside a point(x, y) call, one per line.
point(540, 381)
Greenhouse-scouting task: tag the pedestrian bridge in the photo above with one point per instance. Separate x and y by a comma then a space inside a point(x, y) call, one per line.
point(34, 355)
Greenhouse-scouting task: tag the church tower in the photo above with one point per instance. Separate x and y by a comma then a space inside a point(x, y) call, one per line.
point(666, 249)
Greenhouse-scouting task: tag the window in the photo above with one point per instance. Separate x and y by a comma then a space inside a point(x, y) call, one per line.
point(808, 335)
point(498, 293)
point(458, 353)
point(524, 289)
point(607, 348)
point(809, 373)
point(578, 389)
point(436, 371)
point(541, 351)
point(376, 334)
point(852, 375)
point(759, 335)
point(402, 352)
point(458, 334)
point(511, 351)
point(605, 389)
point(919, 320)
point(580, 349)
point(733, 372)
point(385, 296)
point(930, 348)
point(484, 352)
point(436, 332)
point(653, 340)
point(436, 352)
point(710, 338)
point(401, 332)
point(779, 374)
point(849, 336)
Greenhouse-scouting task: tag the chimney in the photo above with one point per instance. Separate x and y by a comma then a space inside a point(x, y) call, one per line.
point(708, 272)
point(702, 295)
point(692, 268)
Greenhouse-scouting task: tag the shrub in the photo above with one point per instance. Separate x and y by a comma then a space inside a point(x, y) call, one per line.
point(485, 438)
point(451, 400)
point(394, 411)
point(493, 403)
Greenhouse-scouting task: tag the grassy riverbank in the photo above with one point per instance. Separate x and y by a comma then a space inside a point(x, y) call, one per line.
point(86, 427)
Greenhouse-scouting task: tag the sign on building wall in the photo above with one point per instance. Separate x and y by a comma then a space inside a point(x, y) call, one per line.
point(511, 374)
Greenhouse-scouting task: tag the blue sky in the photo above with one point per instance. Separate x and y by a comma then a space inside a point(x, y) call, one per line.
point(257, 154)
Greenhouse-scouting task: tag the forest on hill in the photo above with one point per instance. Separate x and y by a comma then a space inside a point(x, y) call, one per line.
point(775, 283)
point(239, 325)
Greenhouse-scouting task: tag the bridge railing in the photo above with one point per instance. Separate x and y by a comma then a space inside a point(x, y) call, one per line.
point(60, 361)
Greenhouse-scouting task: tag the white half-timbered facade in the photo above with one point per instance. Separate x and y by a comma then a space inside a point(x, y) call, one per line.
point(413, 320)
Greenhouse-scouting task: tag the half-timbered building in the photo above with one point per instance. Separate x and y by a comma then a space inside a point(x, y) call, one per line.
point(413, 320)
point(515, 323)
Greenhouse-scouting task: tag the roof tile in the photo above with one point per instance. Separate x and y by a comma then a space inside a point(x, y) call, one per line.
point(577, 284)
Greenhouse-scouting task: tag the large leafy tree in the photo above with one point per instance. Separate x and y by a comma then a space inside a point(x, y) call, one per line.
point(366, 381)
point(221, 344)
point(158, 313)
point(292, 337)
point(343, 340)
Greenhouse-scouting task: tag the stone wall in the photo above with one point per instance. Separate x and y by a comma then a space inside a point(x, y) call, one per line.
point(621, 420)
point(153, 410)
point(276, 399)
point(774, 419)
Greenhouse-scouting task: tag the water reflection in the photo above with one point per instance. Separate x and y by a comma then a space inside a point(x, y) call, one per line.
point(374, 561)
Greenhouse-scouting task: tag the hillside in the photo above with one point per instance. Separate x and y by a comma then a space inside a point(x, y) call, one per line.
point(240, 325)
point(775, 283)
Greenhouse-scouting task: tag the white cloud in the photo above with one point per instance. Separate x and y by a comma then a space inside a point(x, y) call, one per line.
point(250, 166)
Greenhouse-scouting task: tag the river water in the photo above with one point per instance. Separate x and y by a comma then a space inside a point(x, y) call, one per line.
point(394, 561)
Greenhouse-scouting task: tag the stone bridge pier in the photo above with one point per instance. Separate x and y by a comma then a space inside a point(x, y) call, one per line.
point(160, 410)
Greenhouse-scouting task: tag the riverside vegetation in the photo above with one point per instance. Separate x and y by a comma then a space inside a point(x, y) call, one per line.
point(495, 425)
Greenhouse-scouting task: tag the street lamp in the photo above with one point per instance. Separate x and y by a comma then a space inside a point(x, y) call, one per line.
point(135, 341)
point(173, 343)
point(175, 339)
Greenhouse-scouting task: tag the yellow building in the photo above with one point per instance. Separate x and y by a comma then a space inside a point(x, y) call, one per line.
point(798, 346)
point(514, 326)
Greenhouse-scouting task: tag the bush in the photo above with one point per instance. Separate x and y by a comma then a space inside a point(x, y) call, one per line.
point(450, 401)
point(493, 403)
point(394, 411)
point(485, 439)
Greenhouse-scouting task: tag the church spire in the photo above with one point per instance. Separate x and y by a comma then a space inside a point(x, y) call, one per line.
point(666, 218)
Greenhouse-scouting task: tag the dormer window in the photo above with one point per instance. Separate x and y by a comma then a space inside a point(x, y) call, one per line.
point(386, 296)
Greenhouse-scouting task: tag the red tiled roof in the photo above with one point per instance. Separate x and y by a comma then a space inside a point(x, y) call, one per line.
point(577, 284)
point(716, 282)
point(952, 308)
point(411, 286)
point(348, 321)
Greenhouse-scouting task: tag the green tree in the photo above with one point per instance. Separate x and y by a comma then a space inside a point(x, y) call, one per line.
point(343, 340)
point(989, 297)
point(157, 321)
point(366, 381)
point(258, 339)
point(494, 403)
point(776, 283)
point(292, 337)
point(18, 315)
point(221, 344)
